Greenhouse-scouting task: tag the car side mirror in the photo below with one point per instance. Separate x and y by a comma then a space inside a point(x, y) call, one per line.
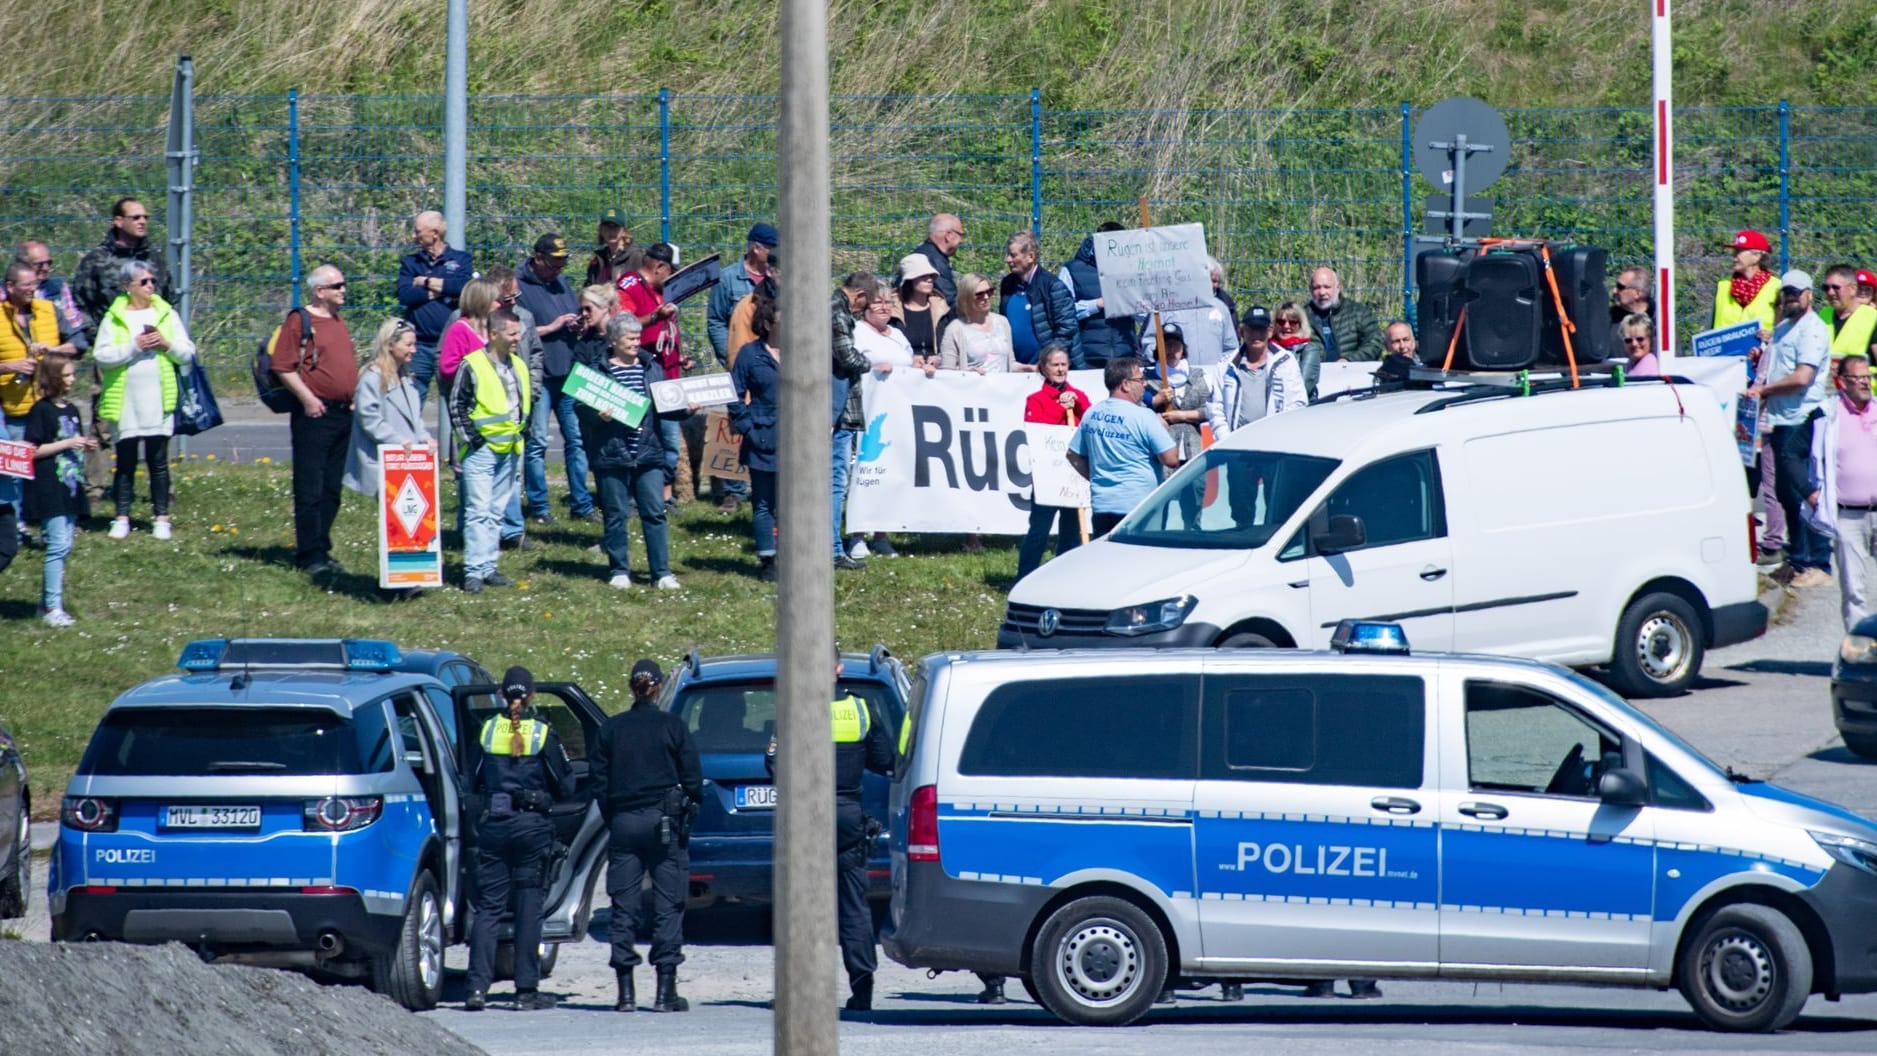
point(1331, 534)
point(1622, 788)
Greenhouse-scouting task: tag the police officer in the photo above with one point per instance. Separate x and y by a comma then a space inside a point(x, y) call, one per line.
point(524, 769)
point(647, 780)
point(861, 743)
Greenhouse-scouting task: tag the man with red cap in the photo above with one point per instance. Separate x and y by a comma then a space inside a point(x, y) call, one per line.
point(1750, 293)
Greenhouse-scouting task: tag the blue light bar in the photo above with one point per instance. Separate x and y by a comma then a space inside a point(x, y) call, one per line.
point(203, 654)
point(349, 654)
point(1369, 636)
point(371, 654)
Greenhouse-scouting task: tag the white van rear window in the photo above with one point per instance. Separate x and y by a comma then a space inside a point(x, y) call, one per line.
point(1579, 474)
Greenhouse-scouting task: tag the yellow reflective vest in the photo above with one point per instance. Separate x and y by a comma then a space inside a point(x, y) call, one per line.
point(851, 720)
point(493, 418)
point(1763, 306)
point(16, 390)
point(1853, 338)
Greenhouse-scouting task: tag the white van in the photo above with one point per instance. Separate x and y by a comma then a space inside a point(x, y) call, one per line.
point(1603, 525)
point(1103, 823)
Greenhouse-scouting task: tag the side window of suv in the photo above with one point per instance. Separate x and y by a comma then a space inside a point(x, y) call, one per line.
point(1140, 727)
point(1519, 739)
point(1310, 729)
point(1398, 499)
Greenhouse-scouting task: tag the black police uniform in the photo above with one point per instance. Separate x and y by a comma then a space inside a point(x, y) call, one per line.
point(640, 757)
point(513, 839)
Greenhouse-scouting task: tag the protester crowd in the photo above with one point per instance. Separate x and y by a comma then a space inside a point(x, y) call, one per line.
point(502, 343)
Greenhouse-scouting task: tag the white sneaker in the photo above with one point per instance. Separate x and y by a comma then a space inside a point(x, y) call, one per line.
point(57, 618)
point(669, 582)
point(160, 530)
point(620, 582)
point(858, 551)
point(120, 528)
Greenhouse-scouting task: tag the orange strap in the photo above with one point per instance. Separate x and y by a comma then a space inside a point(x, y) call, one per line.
point(1565, 326)
point(1454, 341)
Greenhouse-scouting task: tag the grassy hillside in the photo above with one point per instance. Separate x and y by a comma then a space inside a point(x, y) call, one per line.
point(1081, 52)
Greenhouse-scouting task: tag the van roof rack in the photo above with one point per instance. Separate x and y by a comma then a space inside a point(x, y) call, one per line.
point(1472, 386)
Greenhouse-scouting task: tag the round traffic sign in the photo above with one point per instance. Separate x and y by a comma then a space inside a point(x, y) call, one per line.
point(1480, 124)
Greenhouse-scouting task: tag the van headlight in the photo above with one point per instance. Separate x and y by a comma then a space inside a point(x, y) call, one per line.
point(1151, 617)
point(1856, 853)
point(1858, 649)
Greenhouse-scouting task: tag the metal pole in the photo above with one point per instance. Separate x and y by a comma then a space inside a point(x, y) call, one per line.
point(293, 192)
point(1407, 216)
point(1036, 163)
point(1785, 186)
point(180, 153)
point(664, 165)
point(456, 125)
point(804, 878)
point(1660, 45)
point(1456, 220)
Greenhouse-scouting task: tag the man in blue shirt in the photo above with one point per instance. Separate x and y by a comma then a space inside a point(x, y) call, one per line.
point(737, 282)
point(429, 281)
point(1798, 382)
point(1120, 446)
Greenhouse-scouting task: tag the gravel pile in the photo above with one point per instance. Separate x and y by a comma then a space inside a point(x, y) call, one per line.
point(113, 998)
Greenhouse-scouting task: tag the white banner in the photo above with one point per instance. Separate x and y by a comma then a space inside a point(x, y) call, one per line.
point(1153, 269)
point(949, 453)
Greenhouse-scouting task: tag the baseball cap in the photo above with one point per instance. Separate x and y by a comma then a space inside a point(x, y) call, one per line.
point(517, 683)
point(1750, 239)
point(1866, 277)
point(1257, 317)
point(613, 216)
point(1172, 332)
point(550, 245)
point(1795, 280)
point(650, 668)
point(661, 252)
point(764, 233)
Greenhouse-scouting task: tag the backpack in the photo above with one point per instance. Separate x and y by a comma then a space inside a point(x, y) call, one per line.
point(275, 395)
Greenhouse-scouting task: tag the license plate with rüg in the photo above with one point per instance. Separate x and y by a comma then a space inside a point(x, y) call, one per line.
point(755, 797)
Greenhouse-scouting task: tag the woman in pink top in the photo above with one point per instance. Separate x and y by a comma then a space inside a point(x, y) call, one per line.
point(469, 332)
point(1639, 345)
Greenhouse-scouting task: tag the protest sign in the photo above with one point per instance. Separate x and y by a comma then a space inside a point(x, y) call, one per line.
point(1056, 481)
point(410, 550)
point(722, 448)
point(16, 459)
point(1153, 269)
point(705, 390)
point(1739, 339)
point(602, 393)
point(1747, 430)
point(693, 278)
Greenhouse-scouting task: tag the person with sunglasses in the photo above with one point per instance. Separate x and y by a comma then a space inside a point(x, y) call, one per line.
point(96, 283)
point(1637, 334)
point(54, 289)
point(323, 375)
point(141, 346)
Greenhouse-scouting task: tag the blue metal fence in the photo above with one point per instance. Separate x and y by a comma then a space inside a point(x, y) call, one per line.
point(290, 180)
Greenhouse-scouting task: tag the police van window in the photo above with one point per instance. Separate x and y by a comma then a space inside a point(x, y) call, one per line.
point(738, 718)
point(198, 741)
point(1399, 500)
point(1140, 727)
point(1669, 790)
point(1521, 740)
point(1365, 730)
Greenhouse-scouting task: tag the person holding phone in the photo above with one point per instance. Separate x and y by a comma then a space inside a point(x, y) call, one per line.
point(141, 350)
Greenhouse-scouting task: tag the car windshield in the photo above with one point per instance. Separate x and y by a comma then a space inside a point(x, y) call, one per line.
point(1225, 500)
point(740, 717)
point(1603, 693)
point(265, 741)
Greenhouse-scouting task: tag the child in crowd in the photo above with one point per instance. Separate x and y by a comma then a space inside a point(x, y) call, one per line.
point(57, 429)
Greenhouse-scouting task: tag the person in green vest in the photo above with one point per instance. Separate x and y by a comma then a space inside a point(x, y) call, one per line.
point(1852, 318)
point(489, 409)
point(141, 346)
point(1750, 293)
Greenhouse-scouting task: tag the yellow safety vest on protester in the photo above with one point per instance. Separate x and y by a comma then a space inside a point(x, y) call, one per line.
point(1853, 339)
point(16, 390)
point(493, 418)
point(1763, 306)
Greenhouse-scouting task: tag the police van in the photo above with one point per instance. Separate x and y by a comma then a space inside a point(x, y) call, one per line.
point(1102, 823)
point(297, 803)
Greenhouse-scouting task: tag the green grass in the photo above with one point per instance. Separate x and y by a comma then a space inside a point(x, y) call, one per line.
point(228, 573)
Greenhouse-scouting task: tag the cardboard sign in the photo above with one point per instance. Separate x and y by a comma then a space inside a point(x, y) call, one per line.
point(1057, 482)
point(1747, 430)
point(1153, 269)
point(410, 549)
point(722, 448)
point(16, 459)
point(602, 393)
point(694, 278)
point(1739, 339)
point(705, 390)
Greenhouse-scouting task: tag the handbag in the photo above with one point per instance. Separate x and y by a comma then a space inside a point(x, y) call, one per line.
point(196, 409)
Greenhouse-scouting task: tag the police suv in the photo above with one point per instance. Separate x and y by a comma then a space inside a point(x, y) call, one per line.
point(296, 802)
point(1101, 824)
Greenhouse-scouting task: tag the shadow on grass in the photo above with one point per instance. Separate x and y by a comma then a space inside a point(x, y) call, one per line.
point(13, 609)
point(729, 566)
point(571, 569)
point(280, 556)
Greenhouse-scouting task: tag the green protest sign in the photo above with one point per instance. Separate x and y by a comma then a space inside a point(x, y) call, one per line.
point(602, 393)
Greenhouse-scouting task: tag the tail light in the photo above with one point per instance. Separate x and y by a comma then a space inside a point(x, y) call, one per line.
point(342, 813)
point(88, 813)
point(922, 843)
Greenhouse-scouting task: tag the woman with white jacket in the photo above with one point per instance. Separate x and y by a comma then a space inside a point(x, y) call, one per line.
point(140, 350)
point(1262, 380)
point(386, 409)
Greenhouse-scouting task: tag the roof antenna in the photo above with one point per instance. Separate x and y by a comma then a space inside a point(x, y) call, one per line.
point(242, 680)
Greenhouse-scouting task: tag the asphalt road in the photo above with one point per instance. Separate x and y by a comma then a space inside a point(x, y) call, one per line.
point(1763, 708)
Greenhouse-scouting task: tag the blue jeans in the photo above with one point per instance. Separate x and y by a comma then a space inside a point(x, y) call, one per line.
point(843, 462)
point(423, 368)
point(534, 462)
point(513, 526)
point(619, 490)
point(488, 481)
point(579, 497)
point(58, 548)
point(1068, 536)
point(762, 490)
point(671, 434)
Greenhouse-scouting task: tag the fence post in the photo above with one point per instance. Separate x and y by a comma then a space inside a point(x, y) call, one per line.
point(293, 192)
point(1407, 216)
point(664, 165)
point(1036, 162)
point(180, 156)
point(1785, 185)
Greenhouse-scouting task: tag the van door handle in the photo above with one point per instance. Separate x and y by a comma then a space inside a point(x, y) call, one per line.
point(1489, 811)
point(1299, 584)
point(1395, 805)
point(1430, 573)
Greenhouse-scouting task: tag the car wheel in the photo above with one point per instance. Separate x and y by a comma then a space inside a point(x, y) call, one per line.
point(16, 887)
point(1658, 647)
point(1247, 640)
point(1861, 744)
point(1098, 961)
point(412, 974)
point(505, 960)
point(1747, 970)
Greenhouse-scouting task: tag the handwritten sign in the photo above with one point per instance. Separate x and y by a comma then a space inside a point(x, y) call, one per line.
point(694, 278)
point(705, 390)
point(1739, 339)
point(722, 448)
point(602, 393)
point(1153, 269)
point(410, 549)
point(1057, 482)
point(16, 459)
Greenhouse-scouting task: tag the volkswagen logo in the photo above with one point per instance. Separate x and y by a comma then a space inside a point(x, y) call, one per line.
point(1047, 623)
